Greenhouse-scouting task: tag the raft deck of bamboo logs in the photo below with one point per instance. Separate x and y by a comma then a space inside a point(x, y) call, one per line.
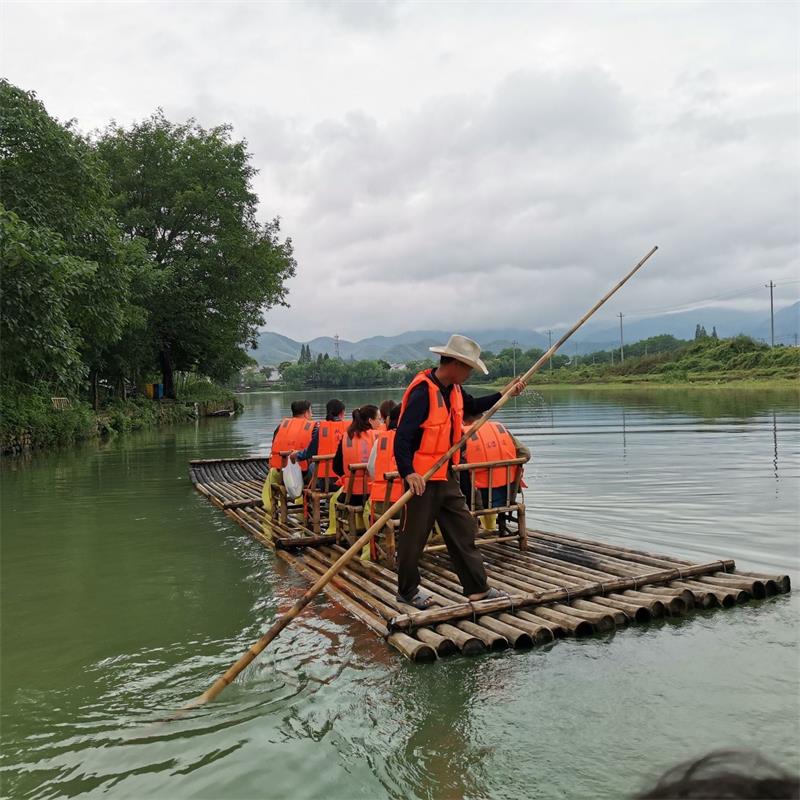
point(560, 586)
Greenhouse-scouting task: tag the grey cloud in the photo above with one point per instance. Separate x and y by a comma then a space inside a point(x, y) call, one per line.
point(422, 157)
point(507, 195)
point(359, 15)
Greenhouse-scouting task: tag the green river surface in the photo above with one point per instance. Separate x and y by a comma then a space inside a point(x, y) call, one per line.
point(124, 594)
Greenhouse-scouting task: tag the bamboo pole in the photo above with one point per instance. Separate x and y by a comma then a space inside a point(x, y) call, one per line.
point(255, 649)
point(540, 633)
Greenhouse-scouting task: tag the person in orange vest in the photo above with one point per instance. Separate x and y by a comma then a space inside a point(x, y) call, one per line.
point(381, 461)
point(325, 439)
point(430, 423)
point(355, 447)
point(292, 433)
point(492, 442)
point(385, 409)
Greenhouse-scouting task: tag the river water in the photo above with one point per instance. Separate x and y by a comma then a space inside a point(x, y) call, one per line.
point(124, 594)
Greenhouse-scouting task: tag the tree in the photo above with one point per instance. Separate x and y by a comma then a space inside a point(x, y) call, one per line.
point(60, 196)
point(714, 332)
point(186, 192)
point(38, 342)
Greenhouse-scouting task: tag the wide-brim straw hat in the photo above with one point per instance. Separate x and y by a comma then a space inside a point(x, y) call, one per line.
point(464, 350)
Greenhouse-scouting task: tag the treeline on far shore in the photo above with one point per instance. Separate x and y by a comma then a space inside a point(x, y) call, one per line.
point(659, 359)
point(128, 257)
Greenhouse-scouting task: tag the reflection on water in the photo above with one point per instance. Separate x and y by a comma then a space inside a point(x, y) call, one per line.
point(124, 594)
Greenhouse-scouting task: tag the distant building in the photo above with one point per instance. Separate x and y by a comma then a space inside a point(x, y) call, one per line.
point(394, 367)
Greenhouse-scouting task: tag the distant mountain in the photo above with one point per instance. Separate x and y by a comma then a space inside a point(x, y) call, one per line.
point(413, 345)
point(728, 322)
point(274, 348)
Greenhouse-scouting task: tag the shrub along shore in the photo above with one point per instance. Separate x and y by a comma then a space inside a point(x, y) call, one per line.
point(30, 421)
point(739, 361)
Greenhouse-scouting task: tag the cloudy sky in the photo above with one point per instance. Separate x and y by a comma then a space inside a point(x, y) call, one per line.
point(463, 165)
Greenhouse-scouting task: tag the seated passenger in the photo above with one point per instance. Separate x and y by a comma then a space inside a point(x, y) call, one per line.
point(491, 442)
point(355, 448)
point(385, 409)
point(292, 433)
point(381, 461)
point(325, 439)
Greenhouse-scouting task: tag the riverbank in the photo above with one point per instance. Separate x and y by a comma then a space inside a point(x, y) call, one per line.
point(33, 422)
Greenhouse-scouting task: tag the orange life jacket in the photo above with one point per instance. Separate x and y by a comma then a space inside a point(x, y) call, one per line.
point(294, 433)
point(384, 462)
point(356, 450)
point(330, 434)
point(440, 430)
point(492, 442)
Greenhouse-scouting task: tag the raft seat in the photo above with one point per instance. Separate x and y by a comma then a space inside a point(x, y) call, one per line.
point(281, 505)
point(514, 505)
point(314, 496)
point(385, 539)
point(350, 515)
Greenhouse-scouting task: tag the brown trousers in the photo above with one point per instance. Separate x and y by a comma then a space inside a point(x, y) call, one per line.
point(442, 502)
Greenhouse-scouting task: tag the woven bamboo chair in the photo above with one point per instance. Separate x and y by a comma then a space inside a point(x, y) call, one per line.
point(349, 516)
point(514, 505)
point(281, 507)
point(315, 498)
point(385, 540)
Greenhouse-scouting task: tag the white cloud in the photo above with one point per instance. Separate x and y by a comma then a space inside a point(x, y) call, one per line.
point(442, 165)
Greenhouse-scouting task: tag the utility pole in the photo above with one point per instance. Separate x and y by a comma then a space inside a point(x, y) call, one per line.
point(549, 345)
point(514, 355)
point(771, 286)
point(621, 345)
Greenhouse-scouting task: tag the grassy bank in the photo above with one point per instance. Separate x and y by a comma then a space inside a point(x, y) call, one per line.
point(28, 420)
point(738, 362)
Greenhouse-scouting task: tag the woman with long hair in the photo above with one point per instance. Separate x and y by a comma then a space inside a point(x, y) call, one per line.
point(355, 448)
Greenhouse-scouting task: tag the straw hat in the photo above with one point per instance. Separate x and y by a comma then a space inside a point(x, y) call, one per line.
point(464, 350)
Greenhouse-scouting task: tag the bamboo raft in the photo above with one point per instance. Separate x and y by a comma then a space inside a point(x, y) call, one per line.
point(558, 585)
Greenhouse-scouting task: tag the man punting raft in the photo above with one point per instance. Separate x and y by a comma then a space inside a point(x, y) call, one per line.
point(431, 422)
point(409, 440)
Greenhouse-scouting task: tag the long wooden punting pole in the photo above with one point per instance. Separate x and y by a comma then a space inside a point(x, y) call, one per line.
point(254, 650)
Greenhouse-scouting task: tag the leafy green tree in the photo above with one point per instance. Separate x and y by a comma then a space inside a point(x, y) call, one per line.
point(38, 342)
point(52, 180)
point(186, 192)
